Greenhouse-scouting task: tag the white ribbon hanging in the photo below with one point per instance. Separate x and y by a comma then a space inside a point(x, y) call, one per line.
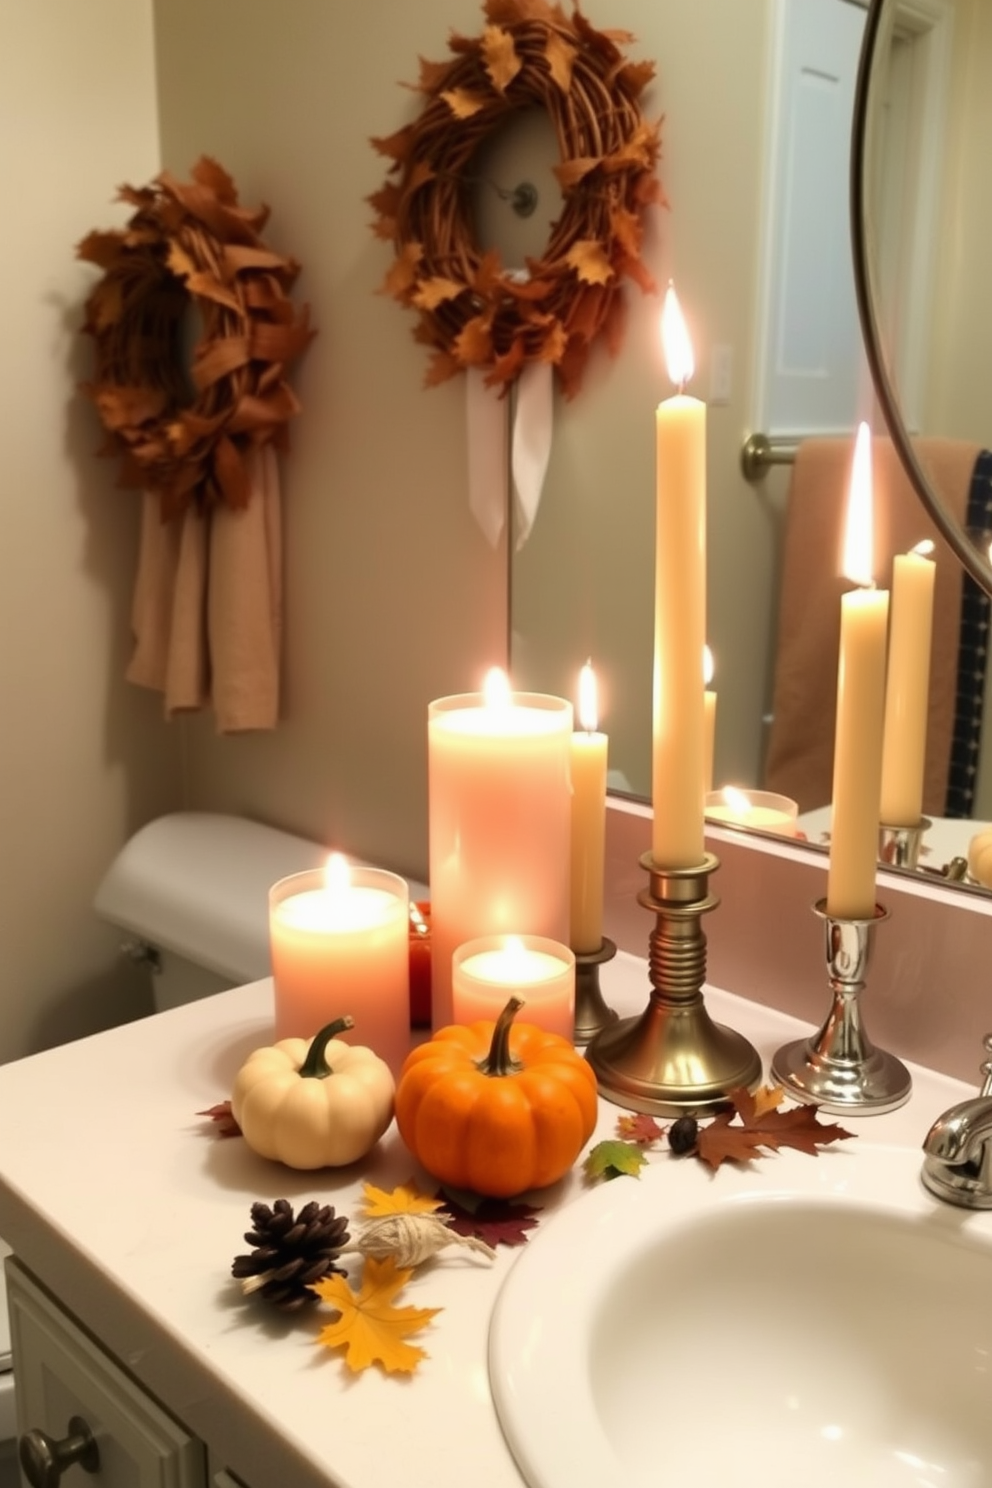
point(489, 424)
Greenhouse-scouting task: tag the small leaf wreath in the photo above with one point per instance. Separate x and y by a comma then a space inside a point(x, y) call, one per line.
point(471, 310)
point(183, 431)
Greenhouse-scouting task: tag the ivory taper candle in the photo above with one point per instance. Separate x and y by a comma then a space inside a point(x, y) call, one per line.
point(857, 780)
point(589, 756)
point(907, 687)
point(709, 720)
point(677, 786)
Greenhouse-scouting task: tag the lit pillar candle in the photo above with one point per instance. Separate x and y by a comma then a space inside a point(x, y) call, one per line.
point(677, 787)
point(857, 781)
point(339, 941)
point(709, 720)
point(589, 755)
point(907, 687)
point(487, 972)
point(500, 818)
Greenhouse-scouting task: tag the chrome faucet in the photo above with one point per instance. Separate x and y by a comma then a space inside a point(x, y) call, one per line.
point(958, 1147)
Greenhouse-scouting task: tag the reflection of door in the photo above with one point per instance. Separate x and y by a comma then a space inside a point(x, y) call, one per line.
point(811, 376)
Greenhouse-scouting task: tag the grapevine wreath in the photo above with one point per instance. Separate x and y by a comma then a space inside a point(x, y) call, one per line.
point(470, 309)
point(184, 426)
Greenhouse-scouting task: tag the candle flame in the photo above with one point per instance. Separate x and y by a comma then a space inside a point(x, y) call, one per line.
point(924, 548)
point(858, 544)
point(588, 701)
point(513, 950)
point(337, 875)
point(496, 688)
point(737, 800)
point(707, 666)
point(417, 922)
point(675, 339)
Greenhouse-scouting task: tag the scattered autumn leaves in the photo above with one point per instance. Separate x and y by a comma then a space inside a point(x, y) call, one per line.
point(754, 1125)
point(472, 311)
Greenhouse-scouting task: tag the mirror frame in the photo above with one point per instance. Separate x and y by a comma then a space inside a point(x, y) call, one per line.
point(968, 554)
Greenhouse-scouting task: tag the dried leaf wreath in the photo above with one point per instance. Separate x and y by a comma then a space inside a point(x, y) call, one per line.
point(470, 309)
point(191, 246)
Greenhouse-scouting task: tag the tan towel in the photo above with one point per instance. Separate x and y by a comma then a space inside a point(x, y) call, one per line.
point(801, 740)
point(207, 606)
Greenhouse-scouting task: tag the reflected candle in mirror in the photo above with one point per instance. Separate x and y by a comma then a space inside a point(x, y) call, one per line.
point(764, 811)
point(500, 822)
point(488, 971)
point(339, 940)
point(907, 688)
point(588, 764)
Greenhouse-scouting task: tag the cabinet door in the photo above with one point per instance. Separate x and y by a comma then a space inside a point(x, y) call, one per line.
point(60, 1373)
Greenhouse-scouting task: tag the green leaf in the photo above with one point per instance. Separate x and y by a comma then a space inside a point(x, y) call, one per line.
point(612, 1159)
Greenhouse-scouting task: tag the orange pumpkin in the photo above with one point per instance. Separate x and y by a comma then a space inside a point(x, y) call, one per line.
point(496, 1108)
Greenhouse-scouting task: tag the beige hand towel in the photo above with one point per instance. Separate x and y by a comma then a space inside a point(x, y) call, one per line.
point(207, 606)
point(801, 740)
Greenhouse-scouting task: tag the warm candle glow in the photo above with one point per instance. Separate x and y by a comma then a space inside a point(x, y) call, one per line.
point(588, 703)
point(924, 548)
point(337, 875)
point(859, 535)
point(738, 800)
point(675, 340)
point(496, 688)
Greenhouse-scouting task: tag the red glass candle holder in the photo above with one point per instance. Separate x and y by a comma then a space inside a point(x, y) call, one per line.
point(420, 965)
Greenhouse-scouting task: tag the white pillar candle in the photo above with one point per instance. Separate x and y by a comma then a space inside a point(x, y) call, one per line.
point(500, 807)
point(339, 941)
point(857, 778)
point(488, 971)
point(589, 759)
point(677, 787)
point(907, 688)
point(764, 811)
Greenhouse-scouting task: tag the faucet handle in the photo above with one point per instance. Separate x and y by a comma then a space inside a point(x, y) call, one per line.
point(985, 1069)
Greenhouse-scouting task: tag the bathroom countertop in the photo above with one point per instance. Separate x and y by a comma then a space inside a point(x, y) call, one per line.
point(129, 1208)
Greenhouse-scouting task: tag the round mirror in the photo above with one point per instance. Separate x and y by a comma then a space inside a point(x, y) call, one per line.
point(921, 196)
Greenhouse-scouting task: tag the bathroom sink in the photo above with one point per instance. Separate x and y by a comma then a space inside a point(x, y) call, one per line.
point(807, 1320)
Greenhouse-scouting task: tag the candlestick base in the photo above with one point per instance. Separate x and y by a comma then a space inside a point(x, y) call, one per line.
point(839, 1069)
point(899, 847)
point(591, 1011)
point(673, 1059)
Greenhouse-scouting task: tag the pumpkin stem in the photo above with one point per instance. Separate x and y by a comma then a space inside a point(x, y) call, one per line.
point(499, 1060)
point(315, 1066)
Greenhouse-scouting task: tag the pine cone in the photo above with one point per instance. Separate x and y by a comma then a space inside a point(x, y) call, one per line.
point(290, 1254)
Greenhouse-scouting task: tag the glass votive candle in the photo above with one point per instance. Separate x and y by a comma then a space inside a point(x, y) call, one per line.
point(339, 942)
point(760, 810)
point(420, 964)
point(488, 971)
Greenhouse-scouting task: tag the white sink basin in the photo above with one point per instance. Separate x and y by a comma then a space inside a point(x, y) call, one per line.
point(811, 1321)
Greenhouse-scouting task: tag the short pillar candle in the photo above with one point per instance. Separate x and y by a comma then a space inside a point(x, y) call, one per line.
point(339, 941)
point(488, 971)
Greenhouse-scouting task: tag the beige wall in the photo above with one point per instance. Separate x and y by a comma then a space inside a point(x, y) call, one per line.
point(84, 760)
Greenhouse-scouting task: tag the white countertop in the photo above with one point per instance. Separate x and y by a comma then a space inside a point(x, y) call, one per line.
point(126, 1205)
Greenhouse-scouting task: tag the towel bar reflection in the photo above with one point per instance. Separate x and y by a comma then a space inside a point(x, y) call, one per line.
point(761, 451)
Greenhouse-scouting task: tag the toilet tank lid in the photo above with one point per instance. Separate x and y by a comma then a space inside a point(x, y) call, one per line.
point(197, 883)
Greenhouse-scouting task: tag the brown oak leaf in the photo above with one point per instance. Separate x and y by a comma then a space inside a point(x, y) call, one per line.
point(370, 1328)
point(495, 1221)
point(763, 1126)
point(499, 55)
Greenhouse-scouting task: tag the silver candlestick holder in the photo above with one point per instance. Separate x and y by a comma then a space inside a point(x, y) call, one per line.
point(839, 1069)
point(591, 1011)
point(899, 847)
point(673, 1058)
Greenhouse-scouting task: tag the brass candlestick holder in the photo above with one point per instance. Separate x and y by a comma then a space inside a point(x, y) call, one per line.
point(592, 1014)
point(673, 1059)
point(899, 847)
point(839, 1068)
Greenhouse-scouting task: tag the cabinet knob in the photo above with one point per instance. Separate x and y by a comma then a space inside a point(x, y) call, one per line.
point(44, 1460)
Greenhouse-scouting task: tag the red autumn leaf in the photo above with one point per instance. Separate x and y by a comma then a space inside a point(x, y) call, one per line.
point(639, 1128)
point(495, 1221)
point(223, 1118)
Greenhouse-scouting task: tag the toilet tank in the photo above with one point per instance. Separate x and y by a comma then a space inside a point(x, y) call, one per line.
point(190, 893)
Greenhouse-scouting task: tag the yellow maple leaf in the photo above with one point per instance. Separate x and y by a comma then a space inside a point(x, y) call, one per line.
point(768, 1098)
point(560, 57)
point(589, 261)
point(500, 57)
point(462, 103)
point(370, 1328)
point(433, 292)
point(405, 1198)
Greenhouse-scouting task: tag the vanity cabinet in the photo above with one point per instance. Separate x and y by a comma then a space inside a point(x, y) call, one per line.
point(63, 1375)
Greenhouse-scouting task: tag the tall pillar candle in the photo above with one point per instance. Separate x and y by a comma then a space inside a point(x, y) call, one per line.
point(907, 689)
point(589, 758)
point(339, 941)
point(857, 777)
point(499, 823)
point(678, 744)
